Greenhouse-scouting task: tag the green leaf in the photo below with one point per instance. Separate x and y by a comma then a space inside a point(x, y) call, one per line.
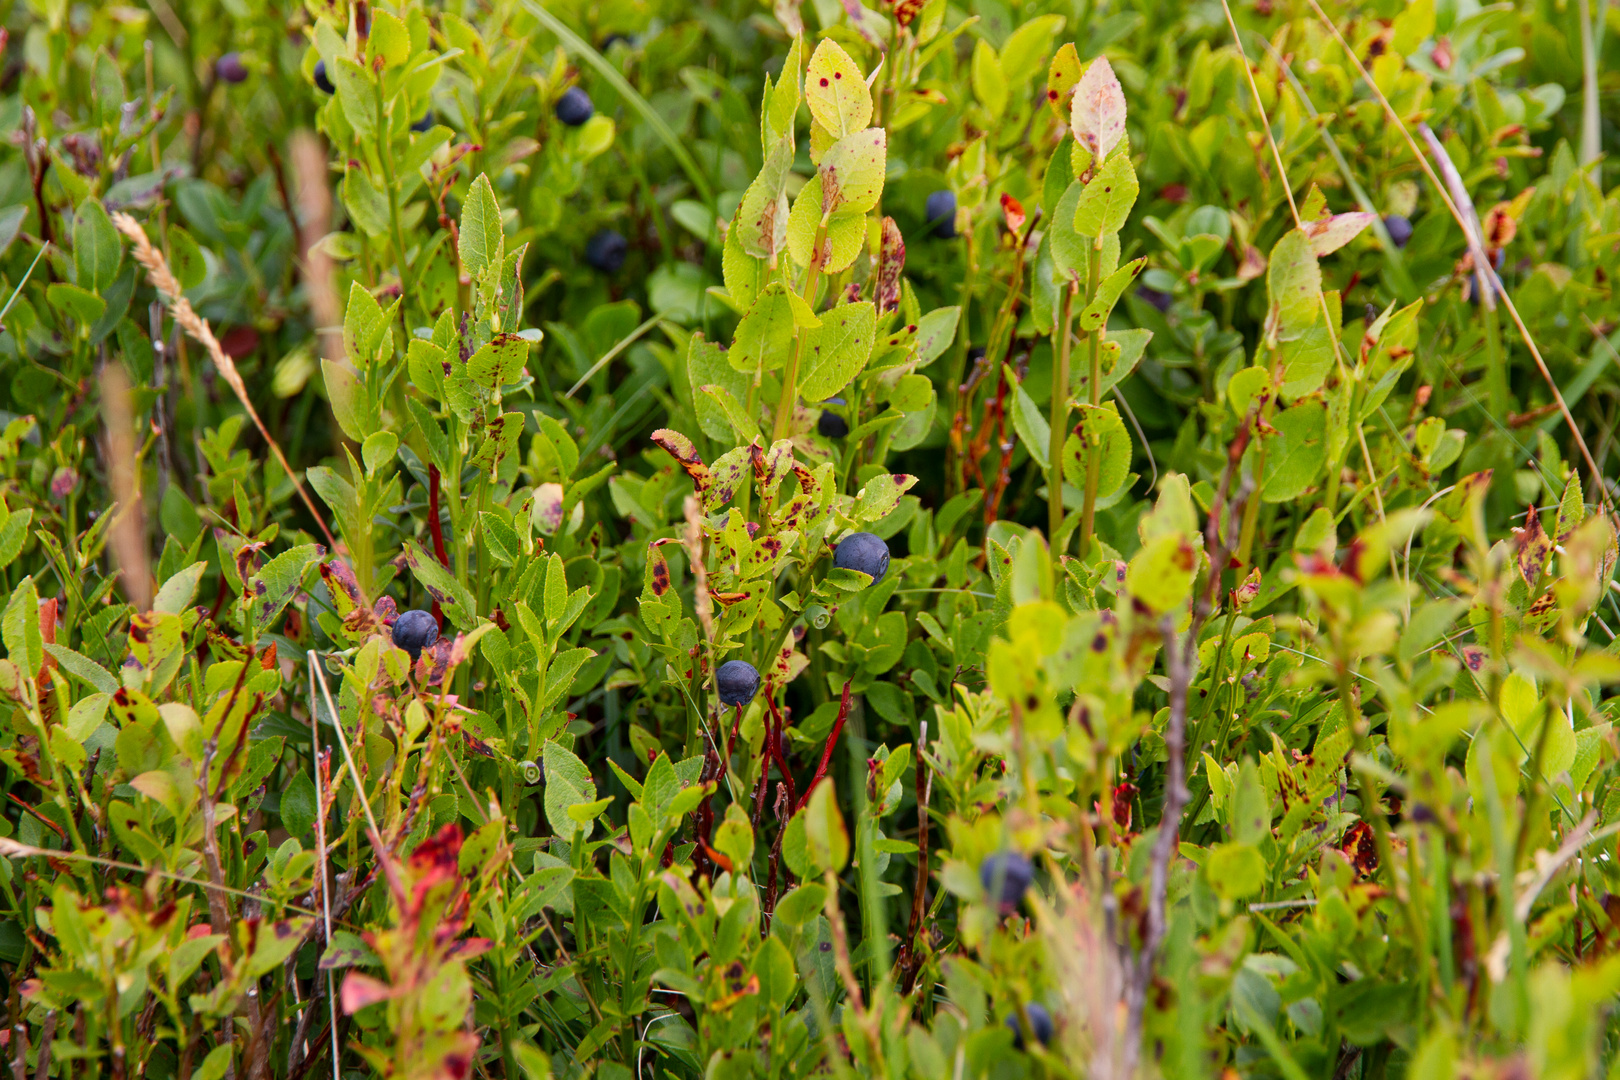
point(98, 250)
point(1235, 870)
point(743, 427)
point(1107, 200)
point(762, 217)
point(935, 332)
point(765, 333)
point(389, 40)
point(83, 305)
point(452, 595)
point(278, 581)
point(852, 172)
point(19, 628)
point(85, 668)
point(298, 807)
point(989, 84)
point(1160, 575)
point(838, 350)
point(706, 365)
point(1095, 316)
point(180, 589)
point(13, 531)
point(501, 538)
point(826, 839)
point(500, 440)
point(1294, 284)
point(1296, 454)
point(356, 93)
point(1034, 431)
point(481, 241)
point(1098, 431)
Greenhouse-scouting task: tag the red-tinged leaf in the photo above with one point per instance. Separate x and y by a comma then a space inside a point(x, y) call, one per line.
point(1533, 547)
point(1013, 210)
point(1331, 233)
point(362, 990)
point(685, 454)
point(891, 261)
point(469, 948)
point(1098, 114)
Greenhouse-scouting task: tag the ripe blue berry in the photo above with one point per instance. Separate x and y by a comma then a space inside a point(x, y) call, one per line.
point(414, 631)
point(424, 124)
point(1399, 229)
point(606, 251)
point(321, 81)
point(1006, 877)
point(1157, 297)
point(832, 425)
point(230, 68)
point(1039, 1019)
point(941, 213)
point(737, 682)
point(865, 552)
point(574, 107)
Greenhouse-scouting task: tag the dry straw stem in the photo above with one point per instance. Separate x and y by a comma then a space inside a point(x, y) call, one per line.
point(128, 537)
point(197, 328)
point(1476, 248)
point(315, 217)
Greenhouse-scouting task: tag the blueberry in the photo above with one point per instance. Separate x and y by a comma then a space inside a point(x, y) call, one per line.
point(321, 81)
point(414, 631)
point(606, 251)
point(426, 123)
point(1158, 298)
point(574, 107)
point(611, 40)
point(865, 552)
point(1399, 229)
point(941, 213)
point(1013, 872)
point(737, 682)
point(832, 425)
point(230, 68)
point(1039, 1019)
point(975, 354)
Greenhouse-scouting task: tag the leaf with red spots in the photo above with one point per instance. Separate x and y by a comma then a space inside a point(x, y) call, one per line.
point(835, 91)
point(1532, 547)
point(1061, 77)
point(891, 261)
point(685, 454)
point(852, 172)
point(1097, 116)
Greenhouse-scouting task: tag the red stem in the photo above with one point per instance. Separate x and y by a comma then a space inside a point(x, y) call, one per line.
point(773, 743)
point(827, 751)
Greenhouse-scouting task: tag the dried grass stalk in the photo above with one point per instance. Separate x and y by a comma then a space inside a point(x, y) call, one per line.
point(127, 537)
point(196, 327)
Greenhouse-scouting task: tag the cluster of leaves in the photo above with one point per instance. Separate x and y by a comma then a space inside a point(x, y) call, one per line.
point(1234, 697)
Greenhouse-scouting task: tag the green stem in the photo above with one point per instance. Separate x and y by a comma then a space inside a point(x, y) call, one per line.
point(790, 378)
point(385, 151)
point(1093, 453)
point(1059, 422)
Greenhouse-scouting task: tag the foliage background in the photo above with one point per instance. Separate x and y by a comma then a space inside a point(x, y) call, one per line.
point(1303, 720)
